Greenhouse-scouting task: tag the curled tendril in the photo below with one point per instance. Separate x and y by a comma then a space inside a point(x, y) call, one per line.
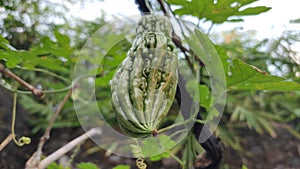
point(23, 140)
point(137, 152)
point(140, 163)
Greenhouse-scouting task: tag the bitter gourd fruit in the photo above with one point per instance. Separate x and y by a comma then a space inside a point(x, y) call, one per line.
point(144, 85)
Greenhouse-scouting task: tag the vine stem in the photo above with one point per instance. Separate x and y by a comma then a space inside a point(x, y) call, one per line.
point(175, 125)
point(47, 72)
point(52, 91)
point(7, 72)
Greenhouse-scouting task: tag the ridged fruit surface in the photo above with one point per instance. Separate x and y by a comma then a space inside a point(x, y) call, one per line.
point(144, 85)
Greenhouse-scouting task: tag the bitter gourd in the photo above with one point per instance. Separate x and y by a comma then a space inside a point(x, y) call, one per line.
point(144, 85)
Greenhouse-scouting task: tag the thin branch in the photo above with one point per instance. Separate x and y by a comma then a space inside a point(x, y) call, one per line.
point(36, 157)
point(56, 90)
point(210, 28)
point(178, 43)
point(66, 148)
point(10, 74)
point(58, 110)
point(162, 7)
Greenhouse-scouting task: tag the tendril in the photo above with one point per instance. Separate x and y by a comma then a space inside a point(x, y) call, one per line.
point(140, 163)
point(23, 140)
point(137, 152)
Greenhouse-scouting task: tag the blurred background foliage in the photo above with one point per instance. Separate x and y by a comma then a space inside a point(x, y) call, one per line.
point(40, 41)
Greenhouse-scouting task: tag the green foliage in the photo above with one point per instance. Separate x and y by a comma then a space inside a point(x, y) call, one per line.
point(217, 11)
point(295, 20)
point(256, 96)
point(122, 167)
point(49, 54)
point(244, 167)
point(48, 65)
point(241, 76)
point(54, 165)
point(88, 165)
point(247, 105)
point(150, 146)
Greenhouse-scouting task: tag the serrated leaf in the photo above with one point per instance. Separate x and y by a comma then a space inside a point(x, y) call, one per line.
point(216, 11)
point(239, 75)
point(242, 76)
point(12, 58)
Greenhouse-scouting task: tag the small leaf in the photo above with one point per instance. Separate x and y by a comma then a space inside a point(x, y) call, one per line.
point(85, 165)
point(120, 166)
point(54, 165)
point(244, 167)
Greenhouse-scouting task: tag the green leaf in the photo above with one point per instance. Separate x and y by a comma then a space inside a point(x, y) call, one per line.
point(12, 58)
point(150, 147)
point(54, 165)
point(295, 20)
point(160, 156)
point(63, 40)
point(253, 11)
point(122, 167)
point(239, 75)
point(166, 142)
point(85, 165)
point(153, 147)
point(244, 167)
point(4, 43)
point(205, 97)
point(242, 76)
point(9, 54)
point(217, 12)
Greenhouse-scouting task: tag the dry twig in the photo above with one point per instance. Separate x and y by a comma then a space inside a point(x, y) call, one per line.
point(36, 157)
point(63, 150)
point(6, 141)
